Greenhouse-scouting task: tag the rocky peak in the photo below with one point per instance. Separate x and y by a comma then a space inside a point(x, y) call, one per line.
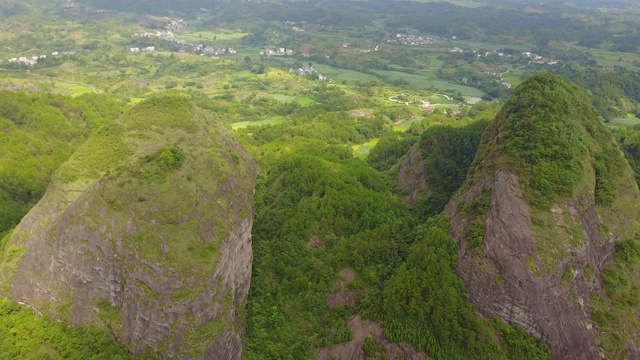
point(547, 197)
point(145, 232)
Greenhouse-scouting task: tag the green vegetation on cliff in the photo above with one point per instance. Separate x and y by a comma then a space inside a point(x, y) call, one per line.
point(448, 153)
point(39, 133)
point(549, 134)
point(561, 193)
point(156, 203)
point(543, 136)
point(24, 335)
point(426, 287)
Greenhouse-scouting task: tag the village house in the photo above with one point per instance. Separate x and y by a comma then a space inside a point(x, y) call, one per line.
point(308, 71)
point(176, 24)
point(415, 40)
point(278, 52)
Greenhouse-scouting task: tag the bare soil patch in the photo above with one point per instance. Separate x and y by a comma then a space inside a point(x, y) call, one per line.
point(361, 330)
point(344, 296)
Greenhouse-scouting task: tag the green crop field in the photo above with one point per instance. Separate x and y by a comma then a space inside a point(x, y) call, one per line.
point(608, 58)
point(428, 81)
point(406, 124)
point(440, 99)
point(72, 89)
point(210, 36)
point(339, 75)
point(270, 121)
point(362, 150)
point(283, 98)
point(301, 100)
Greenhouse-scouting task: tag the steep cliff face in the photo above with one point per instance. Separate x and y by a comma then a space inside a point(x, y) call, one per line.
point(412, 175)
point(145, 232)
point(435, 167)
point(546, 200)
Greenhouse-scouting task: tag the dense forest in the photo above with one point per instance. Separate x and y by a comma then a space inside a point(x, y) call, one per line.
point(323, 215)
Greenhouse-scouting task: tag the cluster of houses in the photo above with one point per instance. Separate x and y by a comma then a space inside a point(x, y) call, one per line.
point(171, 26)
point(212, 50)
point(204, 50)
point(175, 24)
point(33, 59)
point(182, 44)
point(424, 105)
point(144, 49)
point(276, 52)
point(27, 60)
point(164, 35)
point(415, 40)
point(527, 55)
point(309, 71)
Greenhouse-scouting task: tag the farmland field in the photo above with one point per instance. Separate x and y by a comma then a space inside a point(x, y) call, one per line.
point(402, 127)
point(338, 75)
point(362, 150)
point(271, 121)
point(427, 80)
point(72, 90)
point(608, 58)
point(209, 36)
point(301, 100)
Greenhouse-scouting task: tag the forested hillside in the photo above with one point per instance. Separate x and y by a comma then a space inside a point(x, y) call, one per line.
point(40, 132)
point(333, 241)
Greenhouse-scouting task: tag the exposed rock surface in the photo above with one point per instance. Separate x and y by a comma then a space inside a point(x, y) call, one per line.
point(155, 245)
point(538, 267)
point(344, 296)
point(412, 175)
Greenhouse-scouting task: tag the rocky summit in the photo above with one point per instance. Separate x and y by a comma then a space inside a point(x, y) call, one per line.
point(546, 207)
point(146, 233)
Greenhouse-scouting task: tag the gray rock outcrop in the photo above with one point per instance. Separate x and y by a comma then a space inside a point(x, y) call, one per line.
point(155, 245)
